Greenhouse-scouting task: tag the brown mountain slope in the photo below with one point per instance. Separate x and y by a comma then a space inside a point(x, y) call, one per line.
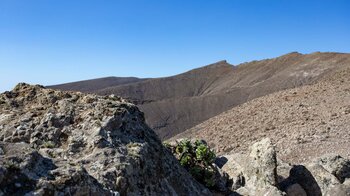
point(95, 84)
point(189, 84)
point(174, 104)
point(305, 122)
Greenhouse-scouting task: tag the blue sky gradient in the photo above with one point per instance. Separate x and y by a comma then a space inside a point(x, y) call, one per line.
point(50, 42)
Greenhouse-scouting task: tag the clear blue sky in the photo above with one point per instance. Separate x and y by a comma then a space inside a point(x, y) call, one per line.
point(49, 42)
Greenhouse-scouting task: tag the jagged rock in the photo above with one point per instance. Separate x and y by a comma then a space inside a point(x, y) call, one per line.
point(301, 175)
point(262, 170)
point(283, 169)
point(237, 181)
point(255, 174)
point(324, 176)
point(65, 143)
point(336, 165)
point(327, 175)
point(234, 167)
point(24, 171)
point(329, 172)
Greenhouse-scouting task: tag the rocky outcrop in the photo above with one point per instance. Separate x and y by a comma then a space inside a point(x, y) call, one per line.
point(255, 174)
point(261, 173)
point(25, 171)
point(64, 143)
point(327, 175)
point(336, 165)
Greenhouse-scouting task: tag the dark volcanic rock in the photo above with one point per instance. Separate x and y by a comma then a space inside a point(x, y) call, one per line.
point(62, 143)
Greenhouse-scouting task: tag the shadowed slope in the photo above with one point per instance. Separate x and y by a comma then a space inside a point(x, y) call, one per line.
point(95, 84)
point(174, 104)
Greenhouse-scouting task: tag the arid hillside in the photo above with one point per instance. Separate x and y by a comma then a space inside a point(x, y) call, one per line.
point(96, 84)
point(304, 122)
point(174, 104)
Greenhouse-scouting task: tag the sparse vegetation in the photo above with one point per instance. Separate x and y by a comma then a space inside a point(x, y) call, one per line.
point(197, 158)
point(11, 165)
point(48, 144)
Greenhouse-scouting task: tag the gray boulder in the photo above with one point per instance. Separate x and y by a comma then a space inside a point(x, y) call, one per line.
point(79, 144)
point(255, 174)
point(262, 169)
point(336, 165)
point(325, 176)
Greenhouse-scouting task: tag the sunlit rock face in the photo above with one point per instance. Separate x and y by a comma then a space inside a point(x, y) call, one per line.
point(54, 142)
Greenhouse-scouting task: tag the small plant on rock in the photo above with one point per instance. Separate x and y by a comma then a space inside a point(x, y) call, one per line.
point(48, 144)
point(12, 165)
point(197, 158)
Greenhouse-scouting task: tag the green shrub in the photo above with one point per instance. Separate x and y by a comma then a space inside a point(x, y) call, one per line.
point(11, 165)
point(197, 158)
point(48, 144)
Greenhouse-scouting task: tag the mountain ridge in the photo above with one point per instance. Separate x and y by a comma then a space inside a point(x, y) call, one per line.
point(305, 122)
point(95, 84)
point(174, 104)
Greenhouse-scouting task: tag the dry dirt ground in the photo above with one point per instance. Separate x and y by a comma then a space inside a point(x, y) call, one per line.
point(304, 122)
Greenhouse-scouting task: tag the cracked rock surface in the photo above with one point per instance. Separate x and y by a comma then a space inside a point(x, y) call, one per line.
point(61, 143)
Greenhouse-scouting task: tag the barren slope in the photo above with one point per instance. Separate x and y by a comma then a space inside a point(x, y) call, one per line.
point(305, 122)
point(174, 104)
point(95, 84)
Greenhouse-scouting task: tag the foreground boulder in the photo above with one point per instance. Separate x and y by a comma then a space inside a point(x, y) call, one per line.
point(256, 173)
point(64, 143)
point(261, 173)
point(328, 175)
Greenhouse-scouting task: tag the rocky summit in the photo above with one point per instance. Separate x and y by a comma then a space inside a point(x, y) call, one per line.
point(65, 143)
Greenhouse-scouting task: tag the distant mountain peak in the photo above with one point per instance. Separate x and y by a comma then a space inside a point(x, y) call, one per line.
point(176, 103)
point(223, 64)
point(291, 54)
point(295, 52)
